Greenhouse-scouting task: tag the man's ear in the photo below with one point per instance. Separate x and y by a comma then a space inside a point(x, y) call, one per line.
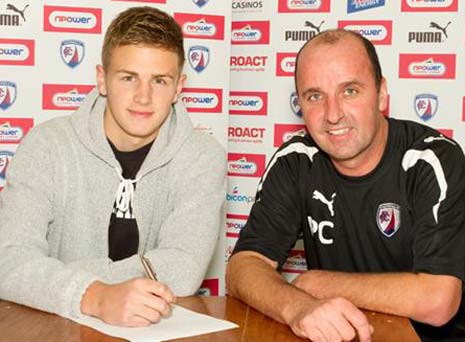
point(383, 96)
point(100, 75)
point(179, 87)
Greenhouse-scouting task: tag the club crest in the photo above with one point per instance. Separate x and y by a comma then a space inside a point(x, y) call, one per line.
point(72, 52)
point(5, 158)
point(200, 3)
point(199, 57)
point(294, 102)
point(388, 218)
point(426, 106)
point(7, 94)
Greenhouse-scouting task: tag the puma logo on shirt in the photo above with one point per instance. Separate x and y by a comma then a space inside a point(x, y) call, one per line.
point(320, 197)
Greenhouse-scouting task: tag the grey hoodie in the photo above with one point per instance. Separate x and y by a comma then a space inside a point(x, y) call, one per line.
point(59, 195)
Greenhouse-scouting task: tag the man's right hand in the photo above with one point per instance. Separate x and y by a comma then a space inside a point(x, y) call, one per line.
point(332, 320)
point(133, 303)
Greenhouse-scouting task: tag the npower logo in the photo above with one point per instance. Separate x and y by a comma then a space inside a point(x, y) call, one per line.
point(433, 66)
point(429, 5)
point(248, 103)
point(202, 100)
point(250, 32)
point(13, 130)
point(64, 96)
point(246, 165)
point(379, 32)
point(285, 132)
point(303, 6)
point(17, 51)
point(201, 26)
point(295, 263)
point(285, 63)
point(72, 19)
point(234, 224)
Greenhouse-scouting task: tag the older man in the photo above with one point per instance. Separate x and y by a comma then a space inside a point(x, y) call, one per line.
point(379, 203)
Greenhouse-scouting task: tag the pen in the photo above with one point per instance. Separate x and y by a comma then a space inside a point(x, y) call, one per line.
point(149, 270)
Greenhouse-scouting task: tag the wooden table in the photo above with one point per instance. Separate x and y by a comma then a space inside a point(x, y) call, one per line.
point(19, 323)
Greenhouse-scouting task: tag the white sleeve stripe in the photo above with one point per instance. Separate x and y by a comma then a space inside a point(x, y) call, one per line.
point(410, 159)
point(297, 147)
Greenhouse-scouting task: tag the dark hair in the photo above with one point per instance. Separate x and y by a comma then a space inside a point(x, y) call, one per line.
point(333, 36)
point(143, 26)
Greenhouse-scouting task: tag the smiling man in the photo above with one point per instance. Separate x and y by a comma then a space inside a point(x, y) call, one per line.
point(123, 176)
point(378, 202)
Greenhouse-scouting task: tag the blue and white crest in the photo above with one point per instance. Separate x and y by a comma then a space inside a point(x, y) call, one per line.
point(199, 57)
point(72, 52)
point(426, 106)
point(7, 94)
point(200, 3)
point(294, 102)
point(388, 218)
point(5, 158)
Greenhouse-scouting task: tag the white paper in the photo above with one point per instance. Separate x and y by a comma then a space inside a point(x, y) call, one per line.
point(181, 323)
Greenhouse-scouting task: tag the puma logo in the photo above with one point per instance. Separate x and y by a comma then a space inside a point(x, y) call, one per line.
point(320, 197)
point(436, 26)
point(317, 28)
point(14, 9)
point(441, 137)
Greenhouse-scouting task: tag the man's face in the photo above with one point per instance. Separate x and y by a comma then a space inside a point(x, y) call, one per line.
point(141, 83)
point(340, 104)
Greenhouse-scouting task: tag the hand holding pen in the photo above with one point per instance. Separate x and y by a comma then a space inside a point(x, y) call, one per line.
point(134, 303)
point(150, 272)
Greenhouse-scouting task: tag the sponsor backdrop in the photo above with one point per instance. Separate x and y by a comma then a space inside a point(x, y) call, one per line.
point(49, 49)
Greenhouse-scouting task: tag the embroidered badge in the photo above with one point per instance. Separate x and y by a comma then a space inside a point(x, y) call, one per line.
point(388, 218)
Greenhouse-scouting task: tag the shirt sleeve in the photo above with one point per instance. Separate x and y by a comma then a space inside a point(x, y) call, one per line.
point(28, 275)
point(436, 185)
point(275, 220)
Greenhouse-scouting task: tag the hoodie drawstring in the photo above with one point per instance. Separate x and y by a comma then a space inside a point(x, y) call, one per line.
point(125, 192)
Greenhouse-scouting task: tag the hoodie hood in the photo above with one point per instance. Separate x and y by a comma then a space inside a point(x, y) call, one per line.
point(87, 122)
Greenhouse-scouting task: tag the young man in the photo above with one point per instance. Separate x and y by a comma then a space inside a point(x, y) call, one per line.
point(379, 204)
point(124, 175)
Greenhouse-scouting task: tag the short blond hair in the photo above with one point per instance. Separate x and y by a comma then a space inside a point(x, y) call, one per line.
point(143, 26)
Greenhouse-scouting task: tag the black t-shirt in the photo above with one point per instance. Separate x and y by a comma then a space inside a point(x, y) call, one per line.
point(406, 215)
point(123, 233)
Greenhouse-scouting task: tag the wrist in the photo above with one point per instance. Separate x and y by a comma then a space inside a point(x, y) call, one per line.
point(296, 300)
point(303, 281)
point(90, 302)
point(293, 308)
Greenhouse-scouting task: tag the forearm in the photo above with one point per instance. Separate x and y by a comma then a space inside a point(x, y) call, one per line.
point(258, 284)
point(425, 298)
point(41, 282)
point(178, 268)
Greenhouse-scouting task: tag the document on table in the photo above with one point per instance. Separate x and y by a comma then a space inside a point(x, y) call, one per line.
point(181, 323)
